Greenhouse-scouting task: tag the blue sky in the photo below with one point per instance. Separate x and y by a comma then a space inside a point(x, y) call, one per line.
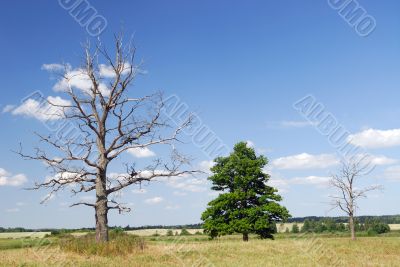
point(240, 65)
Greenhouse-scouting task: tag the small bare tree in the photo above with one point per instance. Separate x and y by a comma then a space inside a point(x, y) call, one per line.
point(348, 193)
point(110, 122)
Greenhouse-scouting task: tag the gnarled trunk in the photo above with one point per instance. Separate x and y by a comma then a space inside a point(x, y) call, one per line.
point(351, 226)
point(101, 209)
point(245, 237)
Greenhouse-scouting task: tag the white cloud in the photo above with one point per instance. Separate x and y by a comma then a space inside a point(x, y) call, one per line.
point(107, 71)
point(392, 173)
point(280, 184)
point(141, 152)
point(139, 191)
point(55, 67)
point(154, 200)
point(7, 179)
point(20, 204)
point(195, 185)
point(8, 108)
point(311, 180)
point(296, 124)
point(13, 210)
point(206, 165)
point(179, 193)
point(305, 161)
point(283, 184)
point(250, 144)
point(376, 160)
point(43, 110)
point(372, 138)
point(172, 207)
point(78, 79)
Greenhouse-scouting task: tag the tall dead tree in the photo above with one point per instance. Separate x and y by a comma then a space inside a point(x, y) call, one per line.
point(111, 120)
point(345, 182)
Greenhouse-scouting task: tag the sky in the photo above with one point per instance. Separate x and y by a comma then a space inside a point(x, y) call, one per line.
point(240, 66)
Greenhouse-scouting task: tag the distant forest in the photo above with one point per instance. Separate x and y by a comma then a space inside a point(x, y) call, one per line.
point(388, 219)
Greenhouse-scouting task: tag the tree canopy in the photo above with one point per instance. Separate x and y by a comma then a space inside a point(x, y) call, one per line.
point(246, 203)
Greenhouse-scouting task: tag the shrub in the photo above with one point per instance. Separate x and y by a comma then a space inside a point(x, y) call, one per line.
point(185, 232)
point(170, 232)
point(117, 230)
point(295, 228)
point(119, 244)
point(380, 228)
point(155, 234)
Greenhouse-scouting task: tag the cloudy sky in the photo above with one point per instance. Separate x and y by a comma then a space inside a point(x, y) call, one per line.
point(241, 66)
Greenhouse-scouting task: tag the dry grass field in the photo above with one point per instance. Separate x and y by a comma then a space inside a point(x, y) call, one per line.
point(229, 251)
point(23, 235)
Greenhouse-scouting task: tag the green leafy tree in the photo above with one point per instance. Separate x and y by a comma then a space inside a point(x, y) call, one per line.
point(246, 203)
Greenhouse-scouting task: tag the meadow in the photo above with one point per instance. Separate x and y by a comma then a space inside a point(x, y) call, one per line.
point(198, 250)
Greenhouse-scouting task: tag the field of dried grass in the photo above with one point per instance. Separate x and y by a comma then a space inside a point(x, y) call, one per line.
point(230, 251)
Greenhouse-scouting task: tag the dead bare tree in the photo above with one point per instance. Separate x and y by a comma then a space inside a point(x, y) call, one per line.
point(348, 192)
point(110, 122)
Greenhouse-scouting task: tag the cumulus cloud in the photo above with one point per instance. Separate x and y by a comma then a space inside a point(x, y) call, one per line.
point(78, 79)
point(305, 161)
point(377, 160)
point(283, 185)
point(206, 165)
point(107, 71)
point(55, 67)
point(154, 200)
point(373, 138)
point(45, 110)
point(141, 152)
point(392, 173)
point(7, 179)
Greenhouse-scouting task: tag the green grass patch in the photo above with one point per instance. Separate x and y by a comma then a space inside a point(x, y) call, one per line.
point(24, 243)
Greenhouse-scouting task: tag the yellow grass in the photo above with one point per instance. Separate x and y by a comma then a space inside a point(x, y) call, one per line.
point(24, 235)
point(371, 251)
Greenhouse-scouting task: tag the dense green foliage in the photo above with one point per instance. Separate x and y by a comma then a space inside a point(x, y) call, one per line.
point(246, 203)
point(373, 227)
point(295, 228)
point(387, 219)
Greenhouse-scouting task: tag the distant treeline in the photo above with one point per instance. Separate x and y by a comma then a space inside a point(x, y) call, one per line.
point(126, 228)
point(388, 219)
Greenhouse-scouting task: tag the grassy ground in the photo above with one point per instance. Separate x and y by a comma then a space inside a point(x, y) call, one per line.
point(286, 250)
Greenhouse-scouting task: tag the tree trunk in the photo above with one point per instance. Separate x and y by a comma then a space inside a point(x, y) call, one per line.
point(101, 209)
point(245, 237)
point(351, 226)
